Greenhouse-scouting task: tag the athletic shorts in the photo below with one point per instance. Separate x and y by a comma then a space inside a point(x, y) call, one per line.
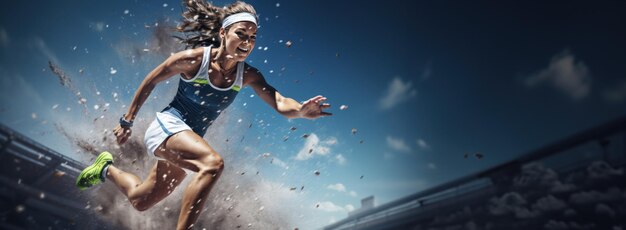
point(164, 125)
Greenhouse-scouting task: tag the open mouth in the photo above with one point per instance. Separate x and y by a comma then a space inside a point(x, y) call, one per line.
point(242, 50)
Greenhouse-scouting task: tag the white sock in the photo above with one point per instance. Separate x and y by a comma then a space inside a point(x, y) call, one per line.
point(103, 174)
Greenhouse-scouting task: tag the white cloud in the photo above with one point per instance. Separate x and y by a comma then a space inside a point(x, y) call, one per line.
point(397, 144)
point(617, 94)
point(279, 163)
point(313, 146)
point(337, 187)
point(330, 207)
point(397, 92)
point(331, 141)
point(353, 194)
point(565, 74)
point(340, 159)
point(422, 144)
point(349, 208)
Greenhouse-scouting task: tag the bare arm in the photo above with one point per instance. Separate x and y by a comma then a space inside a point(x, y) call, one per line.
point(185, 62)
point(290, 108)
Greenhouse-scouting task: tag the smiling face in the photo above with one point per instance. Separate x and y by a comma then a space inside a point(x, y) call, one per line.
point(238, 41)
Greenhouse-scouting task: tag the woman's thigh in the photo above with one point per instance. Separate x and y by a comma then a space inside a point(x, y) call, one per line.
point(188, 150)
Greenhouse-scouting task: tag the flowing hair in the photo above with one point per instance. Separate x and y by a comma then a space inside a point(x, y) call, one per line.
point(202, 22)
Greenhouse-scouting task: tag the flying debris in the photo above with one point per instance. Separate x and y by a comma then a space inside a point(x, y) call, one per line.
point(478, 155)
point(288, 44)
point(361, 142)
point(266, 155)
point(305, 135)
point(310, 151)
point(317, 205)
point(292, 188)
point(317, 173)
point(465, 155)
point(20, 208)
point(353, 131)
point(343, 107)
point(59, 174)
point(292, 128)
point(361, 177)
point(65, 81)
point(302, 188)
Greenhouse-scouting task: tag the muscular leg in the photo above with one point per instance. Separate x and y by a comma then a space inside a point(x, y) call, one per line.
point(188, 150)
point(161, 181)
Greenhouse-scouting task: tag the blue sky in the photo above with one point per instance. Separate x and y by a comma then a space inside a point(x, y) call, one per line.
point(424, 82)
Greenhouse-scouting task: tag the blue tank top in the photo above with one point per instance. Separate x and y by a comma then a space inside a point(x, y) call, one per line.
point(198, 102)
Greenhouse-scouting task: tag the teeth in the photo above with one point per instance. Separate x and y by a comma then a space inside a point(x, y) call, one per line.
point(245, 50)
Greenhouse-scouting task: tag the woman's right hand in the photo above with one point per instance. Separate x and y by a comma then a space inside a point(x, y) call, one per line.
point(121, 134)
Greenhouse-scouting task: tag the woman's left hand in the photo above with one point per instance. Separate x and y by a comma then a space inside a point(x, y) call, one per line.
point(312, 108)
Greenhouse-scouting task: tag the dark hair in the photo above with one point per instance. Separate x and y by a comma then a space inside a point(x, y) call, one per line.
point(202, 22)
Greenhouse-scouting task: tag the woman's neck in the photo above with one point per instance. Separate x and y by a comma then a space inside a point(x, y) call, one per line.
point(225, 61)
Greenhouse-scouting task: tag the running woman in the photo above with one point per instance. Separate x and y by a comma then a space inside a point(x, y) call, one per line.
point(212, 71)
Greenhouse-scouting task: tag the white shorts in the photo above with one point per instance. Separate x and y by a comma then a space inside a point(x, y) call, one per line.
point(164, 125)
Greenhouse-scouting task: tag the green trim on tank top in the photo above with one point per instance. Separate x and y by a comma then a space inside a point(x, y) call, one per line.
point(205, 81)
point(201, 81)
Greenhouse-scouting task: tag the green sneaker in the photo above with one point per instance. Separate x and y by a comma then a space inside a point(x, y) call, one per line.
point(92, 175)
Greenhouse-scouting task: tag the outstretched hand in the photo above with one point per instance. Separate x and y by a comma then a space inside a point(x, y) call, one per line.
point(121, 134)
point(312, 108)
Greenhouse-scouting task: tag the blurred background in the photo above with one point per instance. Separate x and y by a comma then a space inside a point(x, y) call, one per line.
point(447, 115)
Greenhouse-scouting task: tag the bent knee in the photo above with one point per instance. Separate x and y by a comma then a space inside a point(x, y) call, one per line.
point(141, 205)
point(212, 164)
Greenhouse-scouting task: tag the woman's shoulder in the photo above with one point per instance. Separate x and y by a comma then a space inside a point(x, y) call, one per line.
point(186, 62)
point(189, 55)
point(251, 73)
point(193, 54)
point(249, 70)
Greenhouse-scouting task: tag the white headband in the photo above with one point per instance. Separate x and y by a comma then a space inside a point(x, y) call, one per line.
point(238, 17)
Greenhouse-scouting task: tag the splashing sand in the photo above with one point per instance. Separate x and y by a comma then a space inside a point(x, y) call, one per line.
point(235, 201)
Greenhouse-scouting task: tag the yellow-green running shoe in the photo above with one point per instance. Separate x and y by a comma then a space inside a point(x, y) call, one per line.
point(92, 175)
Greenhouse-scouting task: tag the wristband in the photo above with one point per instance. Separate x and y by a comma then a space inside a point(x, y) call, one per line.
point(124, 123)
